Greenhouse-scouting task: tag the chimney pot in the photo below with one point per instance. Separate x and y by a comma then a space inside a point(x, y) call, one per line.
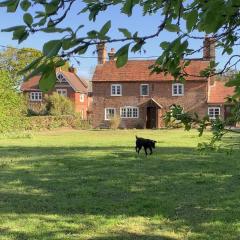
point(111, 54)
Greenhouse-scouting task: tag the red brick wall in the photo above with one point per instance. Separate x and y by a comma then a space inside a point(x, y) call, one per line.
point(194, 99)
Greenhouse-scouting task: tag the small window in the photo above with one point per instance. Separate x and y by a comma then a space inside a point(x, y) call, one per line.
point(116, 90)
point(110, 113)
point(177, 89)
point(36, 96)
point(213, 112)
point(129, 112)
point(62, 92)
point(144, 89)
point(81, 97)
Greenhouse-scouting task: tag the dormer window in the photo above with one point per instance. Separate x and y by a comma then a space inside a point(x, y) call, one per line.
point(116, 90)
point(177, 89)
point(61, 78)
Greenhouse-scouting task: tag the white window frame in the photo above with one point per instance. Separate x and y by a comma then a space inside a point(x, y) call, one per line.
point(62, 91)
point(61, 78)
point(115, 86)
point(178, 85)
point(141, 92)
point(127, 112)
point(82, 97)
point(35, 96)
point(213, 117)
point(106, 114)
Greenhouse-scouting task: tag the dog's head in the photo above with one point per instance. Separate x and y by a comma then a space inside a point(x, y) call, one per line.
point(153, 143)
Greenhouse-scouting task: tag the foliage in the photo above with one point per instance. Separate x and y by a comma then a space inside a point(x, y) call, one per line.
point(92, 185)
point(57, 105)
point(12, 105)
point(218, 126)
point(219, 18)
point(38, 123)
point(13, 60)
point(114, 122)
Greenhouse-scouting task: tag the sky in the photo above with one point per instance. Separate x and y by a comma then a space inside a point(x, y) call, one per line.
point(144, 24)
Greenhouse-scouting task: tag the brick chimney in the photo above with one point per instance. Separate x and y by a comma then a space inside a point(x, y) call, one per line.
point(209, 48)
point(111, 54)
point(102, 53)
point(72, 70)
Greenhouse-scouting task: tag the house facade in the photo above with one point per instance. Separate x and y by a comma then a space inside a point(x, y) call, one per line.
point(140, 99)
point(68, 84)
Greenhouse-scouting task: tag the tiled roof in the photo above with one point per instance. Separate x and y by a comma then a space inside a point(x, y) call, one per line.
point(218, 92)
point(78, 84)
point(137, 70)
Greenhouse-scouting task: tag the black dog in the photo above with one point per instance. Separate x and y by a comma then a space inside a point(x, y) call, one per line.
point(145, 143)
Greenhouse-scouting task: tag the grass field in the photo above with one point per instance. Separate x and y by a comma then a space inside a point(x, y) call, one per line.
point(92, 185)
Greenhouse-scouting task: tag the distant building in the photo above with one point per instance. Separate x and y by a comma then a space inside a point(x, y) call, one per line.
point(68, 84)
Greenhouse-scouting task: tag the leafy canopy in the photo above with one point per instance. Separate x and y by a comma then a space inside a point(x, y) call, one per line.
point(218, 18)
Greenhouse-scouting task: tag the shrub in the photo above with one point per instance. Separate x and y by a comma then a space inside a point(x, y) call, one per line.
point(12, 105)
point(58, 105)
point(115, 122)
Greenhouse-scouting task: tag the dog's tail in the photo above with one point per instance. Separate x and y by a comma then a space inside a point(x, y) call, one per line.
point(136, 137)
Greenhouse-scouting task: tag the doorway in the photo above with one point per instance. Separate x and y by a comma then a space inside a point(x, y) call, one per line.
point(151, 117)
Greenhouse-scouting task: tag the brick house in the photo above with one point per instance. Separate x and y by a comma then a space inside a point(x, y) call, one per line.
point(141, 99)
point(68, 84)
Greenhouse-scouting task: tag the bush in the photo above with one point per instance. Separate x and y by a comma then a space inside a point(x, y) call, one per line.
point(51, 122)
point(114, 123)
point(57, 105)
point(12, 105)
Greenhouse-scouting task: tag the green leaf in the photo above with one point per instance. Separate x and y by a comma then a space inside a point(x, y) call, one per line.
point(172, 27)
point(48, 80)
point(82, 49)
point(191, 19)
point(28, 19)
point(122, 55)
point(125, 32)
point(20, 35)
point(137, 46)
point(25, 5)
point(164, 45)
point(104, 30)
point(58, 30)
point(31, 65)
point(11, 29)
point(127, 7)
point(52, 48)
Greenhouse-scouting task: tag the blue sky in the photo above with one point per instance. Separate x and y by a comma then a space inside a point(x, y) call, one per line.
point(145, 25)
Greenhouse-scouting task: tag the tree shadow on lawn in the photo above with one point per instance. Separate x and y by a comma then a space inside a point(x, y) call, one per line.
point(177, 183)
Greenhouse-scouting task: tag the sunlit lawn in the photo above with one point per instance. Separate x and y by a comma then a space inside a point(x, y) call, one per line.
point(92, 185)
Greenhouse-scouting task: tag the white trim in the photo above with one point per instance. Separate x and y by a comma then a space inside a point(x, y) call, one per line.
point(105, 113)
point(69, 82)
point(144, 84)
point(126, 108)
point(115, 86)
point(82, 97)
point(35, 96)
point(214, 113)
point(62, 91)
point(178, 87)
point(63, 78)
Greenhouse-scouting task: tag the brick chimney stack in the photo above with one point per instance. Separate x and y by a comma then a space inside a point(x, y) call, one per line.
point(209, 48)
point(111, 54)
point(102, 53)
point(72, 70)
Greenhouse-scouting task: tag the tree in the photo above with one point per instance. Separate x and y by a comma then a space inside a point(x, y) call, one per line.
point(218, 18)
point(12, 105)
point(13, 60)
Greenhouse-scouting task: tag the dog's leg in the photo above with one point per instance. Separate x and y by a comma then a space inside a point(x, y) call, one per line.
point(145, 149)
point(139, 149)
point(150, 150)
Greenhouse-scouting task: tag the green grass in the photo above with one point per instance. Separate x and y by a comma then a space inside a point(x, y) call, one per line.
point(92, 185)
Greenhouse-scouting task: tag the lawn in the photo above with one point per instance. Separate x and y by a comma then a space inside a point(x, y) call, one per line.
point(92, 185)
